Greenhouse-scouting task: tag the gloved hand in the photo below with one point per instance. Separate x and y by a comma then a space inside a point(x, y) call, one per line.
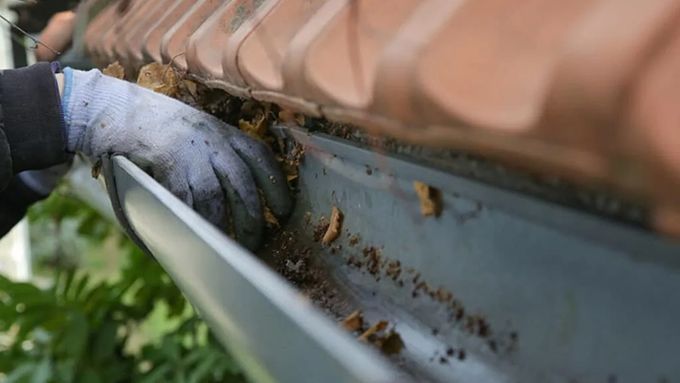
point(211, 166)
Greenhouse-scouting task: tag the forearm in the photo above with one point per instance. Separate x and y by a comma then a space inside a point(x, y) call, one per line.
point(57, 35)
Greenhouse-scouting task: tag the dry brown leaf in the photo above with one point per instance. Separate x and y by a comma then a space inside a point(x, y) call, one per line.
point(376, 328)
point(96, 169)
point(267, 213)
point(292, 162)
point(288, 116)
point(353, 321)
point(334, 227)
point(270, 218)
point(191, 87)
point(256, 129)
point(391, 344)
point(430, 199)
point(115, 70)
point(159, 78)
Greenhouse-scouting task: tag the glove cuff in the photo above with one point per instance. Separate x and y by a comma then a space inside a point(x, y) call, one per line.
point(92, 100)
point(79, 88)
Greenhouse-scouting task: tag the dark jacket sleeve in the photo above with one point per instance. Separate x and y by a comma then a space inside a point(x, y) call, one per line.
point(14, 201)
point(31, 135)
point(32, 120)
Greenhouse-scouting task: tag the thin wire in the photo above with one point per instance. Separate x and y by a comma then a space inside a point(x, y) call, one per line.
point(18, 39)
point(169, 66)
point(36, 41)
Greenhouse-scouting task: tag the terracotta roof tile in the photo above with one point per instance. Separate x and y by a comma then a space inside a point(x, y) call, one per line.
point(97, 28)
point(597, 66)
point(491, 62)
point(652, 143)
point(152, 40)
point(582, 88)
point(248, 17)
point(263, 47)
point(112, 35)
point(206, 46)
point(333, 60)
point(128, 48)
point(173, 44)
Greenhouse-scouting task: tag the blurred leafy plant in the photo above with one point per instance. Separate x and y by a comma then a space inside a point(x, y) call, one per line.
point(79, 329)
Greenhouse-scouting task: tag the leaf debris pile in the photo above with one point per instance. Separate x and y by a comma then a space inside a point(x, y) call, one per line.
point(253, 117)
point(296, 262)
point(256, 120)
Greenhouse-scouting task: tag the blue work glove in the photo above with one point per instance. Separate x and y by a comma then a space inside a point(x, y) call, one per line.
point(211, 166)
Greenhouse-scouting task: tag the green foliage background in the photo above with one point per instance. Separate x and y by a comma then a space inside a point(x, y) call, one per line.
point(100, 310)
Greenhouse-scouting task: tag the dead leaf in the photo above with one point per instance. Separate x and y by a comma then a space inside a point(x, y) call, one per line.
point(430, 199)
point(97, 169)
point(256, 129)
point(291, 162)
point(376, 328)
point(391, 344)
point(334, 227)
point(192, 88)
point(353, 321)
point(115, 70)
point(159, 78)
point(288, 116)
point(269, 216)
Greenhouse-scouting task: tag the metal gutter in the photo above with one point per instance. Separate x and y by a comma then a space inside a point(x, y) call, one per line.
point(564, 295)
point(276, 334)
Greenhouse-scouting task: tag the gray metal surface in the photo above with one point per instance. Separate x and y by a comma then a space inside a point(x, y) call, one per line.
point(589, 300)
point(276, 334)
